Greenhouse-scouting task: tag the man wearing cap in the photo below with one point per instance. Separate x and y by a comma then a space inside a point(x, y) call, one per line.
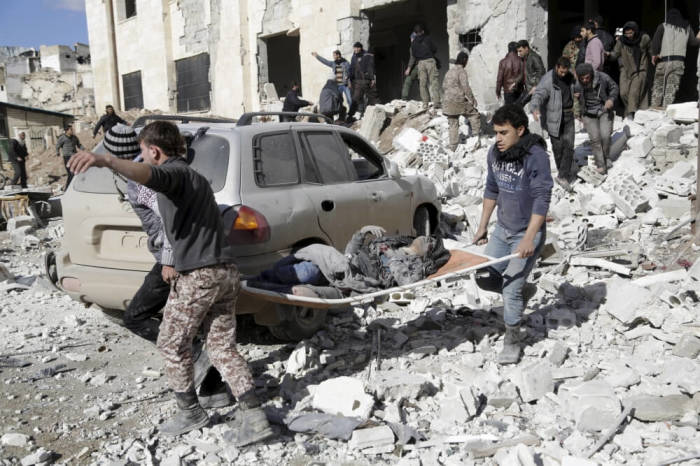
point(139, 317)
point(107, 121)
point(363, 81)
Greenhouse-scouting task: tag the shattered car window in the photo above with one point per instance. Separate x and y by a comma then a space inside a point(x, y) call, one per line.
point(275, 160)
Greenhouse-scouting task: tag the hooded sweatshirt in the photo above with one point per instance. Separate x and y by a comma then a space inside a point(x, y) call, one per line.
point(520, 181)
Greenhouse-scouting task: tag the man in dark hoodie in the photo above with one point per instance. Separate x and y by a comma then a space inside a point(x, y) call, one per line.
point(330, 102)
point(668, 49)
point(107, 121)
point(363, 81)
point(292, 103)
point(633, 52)
point(519, 182)
point(423, 51)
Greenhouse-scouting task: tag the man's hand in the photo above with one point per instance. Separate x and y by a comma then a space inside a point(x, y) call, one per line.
point(609, 104)
point(314, 54)
point(480, 237)
point(168, 273)
point(81, 161)
point(654, 60)
point(536, 115)
point(526, 248)
point(372, 83)
point(407, 72)
point(532, 91)
point(498, 95)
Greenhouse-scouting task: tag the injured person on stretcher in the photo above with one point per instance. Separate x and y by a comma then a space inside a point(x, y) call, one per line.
point(372, 261)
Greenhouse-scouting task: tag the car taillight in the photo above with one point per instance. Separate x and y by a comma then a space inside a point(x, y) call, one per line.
point(249, 227)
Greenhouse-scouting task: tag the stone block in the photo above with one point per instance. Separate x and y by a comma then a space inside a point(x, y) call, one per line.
point(677, 186)
point(270, 92)
point(533, 381)
point(687, 347)
point(572, 234)
point(628, 197)
point(640, 146)
point(397, 384)
point(343, 396)
point(409, 139)
point(589, 174)
point(624, 299)
point(593, 405)
point(642, 117)
point(674, 207)
point(681, 169)
point(18, 234)
point(683, 373)
point(373, 437)
point(600, 203)
point(682, 113)
point(651, 408)
point(15, 439)
point(667, 134)
point(20, 221)
point(557, 353)
point(39, 456)
point(372, 122)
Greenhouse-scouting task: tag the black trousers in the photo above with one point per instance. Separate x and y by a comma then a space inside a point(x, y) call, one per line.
point(563, 145)
point(20, 173)
point(70, 174)
point(511, 97)
point(146, 304)
point(360, 90)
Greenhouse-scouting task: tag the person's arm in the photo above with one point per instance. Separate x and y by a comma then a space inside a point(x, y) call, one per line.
point(693, 40)
point(138, 172)
point(656, 43)
point(488, 206)
point(615, 54)
point(411, 62)
point(325, 61)
point(540, 96)
point(499, 80)
point(539, 68)
point(121, 120)
point(59, 144)
point(100, 124)
point(540, 177)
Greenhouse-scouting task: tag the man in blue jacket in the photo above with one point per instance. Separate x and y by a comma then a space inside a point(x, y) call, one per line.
point(519, 182)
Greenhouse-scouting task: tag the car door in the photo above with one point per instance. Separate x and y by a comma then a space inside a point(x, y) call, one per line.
point(329, 181)
point(389, 199)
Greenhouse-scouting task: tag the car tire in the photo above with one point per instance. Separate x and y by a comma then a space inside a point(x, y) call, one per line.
point(421, 221)
point(298, 323)
point(113, 315)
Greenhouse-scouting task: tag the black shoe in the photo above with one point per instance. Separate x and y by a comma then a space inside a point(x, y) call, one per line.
point(190, 415)
point(249, 426)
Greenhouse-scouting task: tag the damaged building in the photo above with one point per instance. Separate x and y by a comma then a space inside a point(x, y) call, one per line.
point(214, 56)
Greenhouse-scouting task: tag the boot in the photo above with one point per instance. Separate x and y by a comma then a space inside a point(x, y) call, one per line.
point(511, 346)
point(214, 393)
point(249, 424)
point(190, 415)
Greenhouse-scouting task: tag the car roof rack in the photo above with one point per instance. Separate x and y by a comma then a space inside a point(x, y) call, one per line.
point(247, 118)
point(141, 121)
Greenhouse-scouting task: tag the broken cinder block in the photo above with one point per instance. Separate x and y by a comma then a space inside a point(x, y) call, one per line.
point(628, 197)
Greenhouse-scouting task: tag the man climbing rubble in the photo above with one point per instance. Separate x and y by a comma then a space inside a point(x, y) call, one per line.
point(107, 121)
point(519, 181)
point(204, 283)
point(459, 100)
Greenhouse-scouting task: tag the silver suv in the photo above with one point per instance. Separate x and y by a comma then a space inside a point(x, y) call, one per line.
point(280, 186)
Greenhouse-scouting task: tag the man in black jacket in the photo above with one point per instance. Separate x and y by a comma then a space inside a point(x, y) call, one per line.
point(107, 121)
point(363, 81)
point(18, 157)
point(292, 103)
point(423, 51)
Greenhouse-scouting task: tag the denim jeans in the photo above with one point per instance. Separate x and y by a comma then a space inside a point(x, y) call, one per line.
point(292, 271)
point(508, 278)
point(348, 94)
point(600, 132)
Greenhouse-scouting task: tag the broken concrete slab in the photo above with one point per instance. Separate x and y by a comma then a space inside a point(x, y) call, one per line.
point(593, 405)
point(667, 134)
point(328, 425)
point(687, 347)
point(683, 373)
point(397, 384)
point(533, 381)
point(651, 408)
point(343, 396)
point(623, 300)
point(642, 117)
point(685, 113)
point(373, 122)
point(373, 437)
point(640, 146)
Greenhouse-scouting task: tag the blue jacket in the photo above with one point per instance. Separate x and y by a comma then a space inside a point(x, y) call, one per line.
point(522, 187)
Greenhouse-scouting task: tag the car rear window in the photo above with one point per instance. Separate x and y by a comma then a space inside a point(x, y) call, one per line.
point(208, 155)
point(275, 160)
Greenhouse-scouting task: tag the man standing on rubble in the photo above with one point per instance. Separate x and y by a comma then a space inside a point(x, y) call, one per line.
point(204, 283)
point(340, 70)
point(107, 121)
point(17, 156)
point(424, 51)
point(67, 145)
point(632, 50)
point(597, 93)
point(363, 81)
point(292, 103)
point(534, 69)
point(411, 73)
point(459, 100)
point(555, 98)
point(511, 74)
point(519, 181)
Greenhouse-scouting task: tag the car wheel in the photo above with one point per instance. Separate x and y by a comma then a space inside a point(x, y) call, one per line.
point(113, 315)
point(421, 221)
point(50, 268)
point(298, 322)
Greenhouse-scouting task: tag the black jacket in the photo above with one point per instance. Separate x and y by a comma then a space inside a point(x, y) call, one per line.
point(292, 103)
point(362, 67)
point(422, 48)
point(16, 151)
point(190, 215)
point(606, 38)
point(106, 123)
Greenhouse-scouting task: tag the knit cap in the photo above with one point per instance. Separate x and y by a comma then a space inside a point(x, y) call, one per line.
point(121, 141)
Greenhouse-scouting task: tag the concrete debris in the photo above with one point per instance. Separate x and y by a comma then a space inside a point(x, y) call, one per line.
point(652, 408)
point(343, 396)
point(533, 381)
point(379, 437)
point(14, 439)
point(593, 405)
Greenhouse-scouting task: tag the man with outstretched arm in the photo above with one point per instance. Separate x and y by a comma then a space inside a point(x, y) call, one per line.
point(204, 284)
point(519, 182)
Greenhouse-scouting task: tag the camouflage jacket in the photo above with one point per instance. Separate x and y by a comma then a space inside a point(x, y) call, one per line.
point(458, 94)
point(571, 52)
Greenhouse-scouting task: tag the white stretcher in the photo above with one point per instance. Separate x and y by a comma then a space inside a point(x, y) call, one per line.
point(461, 264)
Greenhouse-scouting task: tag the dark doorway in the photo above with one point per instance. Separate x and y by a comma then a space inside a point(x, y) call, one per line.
point(193, 83)
point(283, 62)
point(390, 40)
point(133, 91)
point(564, 15)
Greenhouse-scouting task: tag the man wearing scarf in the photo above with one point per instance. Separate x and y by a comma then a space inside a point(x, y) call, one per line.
point(668, 49)
point(519, 182)
point(633, 50)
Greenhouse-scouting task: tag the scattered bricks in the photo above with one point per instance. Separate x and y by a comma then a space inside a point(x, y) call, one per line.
point(373, 122)
point(589, 174)
point(628, 197)
point(593, 405)
point(373, 437)
point(561, 318)
point(667, 134)
point(687, 347)
point(343, 396)
point(642, 117)
point(572, 234)
point(681, 113)
point(640, 146)
point(674, 185)
point(659, 408)
point(533, 381)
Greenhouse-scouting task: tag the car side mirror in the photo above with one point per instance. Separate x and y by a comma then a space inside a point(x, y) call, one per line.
point(394, 171)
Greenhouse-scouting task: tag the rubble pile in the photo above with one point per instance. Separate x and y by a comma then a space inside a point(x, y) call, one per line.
point(610, 373)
